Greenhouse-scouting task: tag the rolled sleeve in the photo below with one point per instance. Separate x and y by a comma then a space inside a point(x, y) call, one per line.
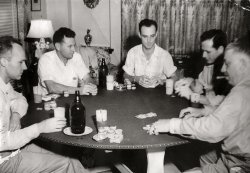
point(174, 126)
point(45, 69)
point(81, 68)
point(129, 66)
point(171, 71)
point(19, 104)
point(169, 67)
point(20, 108)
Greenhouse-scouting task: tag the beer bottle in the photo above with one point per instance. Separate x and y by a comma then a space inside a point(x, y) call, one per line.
point(77, 115)
point(103, 72)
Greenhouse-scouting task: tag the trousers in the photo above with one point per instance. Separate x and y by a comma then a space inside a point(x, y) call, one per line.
point(34, 159)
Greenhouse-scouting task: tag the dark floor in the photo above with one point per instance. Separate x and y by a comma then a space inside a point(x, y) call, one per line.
point(184, 156)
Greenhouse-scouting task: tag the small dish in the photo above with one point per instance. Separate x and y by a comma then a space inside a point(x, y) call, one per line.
point(67, 131)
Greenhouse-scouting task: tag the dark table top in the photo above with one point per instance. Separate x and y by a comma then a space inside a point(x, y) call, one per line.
point(122, 106)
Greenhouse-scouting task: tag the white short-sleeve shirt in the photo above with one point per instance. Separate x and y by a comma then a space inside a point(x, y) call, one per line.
point(50, 67)
point(160, 63)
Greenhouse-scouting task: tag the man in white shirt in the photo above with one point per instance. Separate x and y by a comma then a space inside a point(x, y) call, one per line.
point(210, 80)
point(16, 155)
point(229, 124)
point(147, 63)
point(63, 69)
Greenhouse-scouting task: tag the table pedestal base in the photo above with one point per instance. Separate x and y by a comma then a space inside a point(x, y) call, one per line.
point(155, 158)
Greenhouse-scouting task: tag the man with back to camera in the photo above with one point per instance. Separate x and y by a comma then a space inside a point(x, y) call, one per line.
point(63, 69)
point(213, 43)
point(147, 63)
point(229, 124)
point(16, 155)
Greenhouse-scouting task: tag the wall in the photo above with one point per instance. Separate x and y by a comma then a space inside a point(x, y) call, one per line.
point(58, 12)
point(40, 14)
point(75, 15)
point(106, 31)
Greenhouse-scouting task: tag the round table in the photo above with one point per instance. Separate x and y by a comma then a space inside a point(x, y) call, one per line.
point(122, 107)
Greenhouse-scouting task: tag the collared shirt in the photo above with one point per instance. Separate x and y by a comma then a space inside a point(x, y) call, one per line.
point(10, 102)
point(50, 67)
point(205, 77)
point(160, 63)
point(229, 123)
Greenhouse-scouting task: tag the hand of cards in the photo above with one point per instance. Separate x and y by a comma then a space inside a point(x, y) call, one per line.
point(147, 128)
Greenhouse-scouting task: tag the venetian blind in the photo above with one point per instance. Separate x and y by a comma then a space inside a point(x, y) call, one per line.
point(8, 18)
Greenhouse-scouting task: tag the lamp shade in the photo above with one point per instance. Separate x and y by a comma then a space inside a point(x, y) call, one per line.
point(40, 28)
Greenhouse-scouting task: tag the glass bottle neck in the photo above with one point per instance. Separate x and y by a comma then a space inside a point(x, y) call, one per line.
point(103, 62)
point(77, 96)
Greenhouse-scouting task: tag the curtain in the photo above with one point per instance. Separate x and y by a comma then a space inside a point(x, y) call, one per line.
point(181, 22)
point(8, 22)
point(23, 19)
point(22, 10)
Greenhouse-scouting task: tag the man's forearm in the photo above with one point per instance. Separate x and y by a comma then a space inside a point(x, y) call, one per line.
point(57, 88)
point(203, 100)
point(132, 78)
point(85, 80)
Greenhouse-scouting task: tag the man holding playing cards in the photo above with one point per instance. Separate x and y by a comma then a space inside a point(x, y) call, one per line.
point(147, 63)
point(228, 125)
point(211, 86)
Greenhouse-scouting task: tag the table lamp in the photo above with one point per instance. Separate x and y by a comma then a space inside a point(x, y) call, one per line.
point(41, 29)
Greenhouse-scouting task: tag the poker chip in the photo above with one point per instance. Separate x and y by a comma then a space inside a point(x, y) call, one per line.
point(112, 133)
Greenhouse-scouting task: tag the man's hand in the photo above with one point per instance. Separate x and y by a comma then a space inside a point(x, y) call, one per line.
point(15, 121)
point(147, 82)
point(190, 112)
point(183, 82)
point(184, 91)
point(88, 89)
point(51, 125)
point(195, 97)
point(161, 125)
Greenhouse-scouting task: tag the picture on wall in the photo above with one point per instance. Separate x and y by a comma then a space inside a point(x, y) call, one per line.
point(35, 5)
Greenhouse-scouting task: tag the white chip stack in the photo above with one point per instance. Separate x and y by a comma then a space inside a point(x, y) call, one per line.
point(114, 135)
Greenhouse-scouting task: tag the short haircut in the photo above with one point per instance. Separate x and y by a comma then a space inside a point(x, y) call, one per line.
point(6, 44)
point(241, 45)
point(148, 23)
point(61, 33)
point(218, 36)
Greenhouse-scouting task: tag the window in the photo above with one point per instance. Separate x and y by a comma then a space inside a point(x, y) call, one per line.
point(8, 18)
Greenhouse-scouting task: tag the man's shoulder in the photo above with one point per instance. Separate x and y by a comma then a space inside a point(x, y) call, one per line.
point(162, 51)
point(77, 55)
point(77, 58)
point(136, 48)
point(48, 55)
point(243, 87)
